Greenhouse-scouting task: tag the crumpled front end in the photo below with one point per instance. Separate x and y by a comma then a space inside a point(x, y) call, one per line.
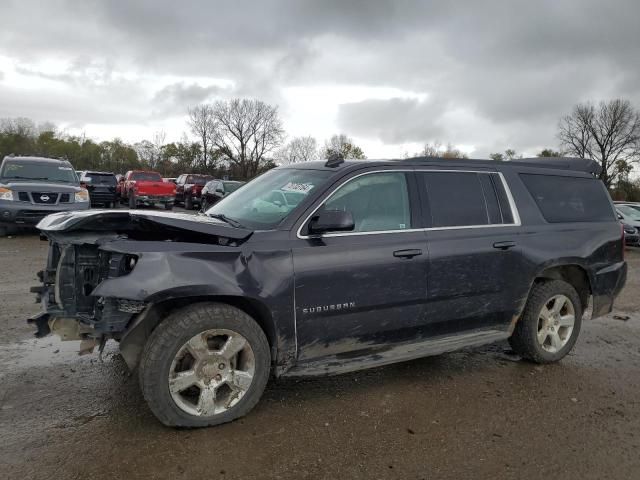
point(89, 291)
point(74, 269)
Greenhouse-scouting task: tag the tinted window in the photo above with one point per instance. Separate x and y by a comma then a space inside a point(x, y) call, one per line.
point(457, 199)
point(146, 177)
point(232, 186)
point(197, 180)
point(99, 178)
point(569, 199)
point(377, 201)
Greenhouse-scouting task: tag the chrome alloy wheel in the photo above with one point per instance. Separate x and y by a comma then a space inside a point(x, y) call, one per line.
point(211, 372)
point(555, 323)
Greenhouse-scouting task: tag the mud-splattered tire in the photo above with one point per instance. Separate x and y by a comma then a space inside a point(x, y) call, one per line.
point(171, 337)
point(541, 335)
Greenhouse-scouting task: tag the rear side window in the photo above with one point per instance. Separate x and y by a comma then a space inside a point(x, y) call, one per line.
point(99, 178)
point(464, 199)
point(569, 199)
point(146, 177)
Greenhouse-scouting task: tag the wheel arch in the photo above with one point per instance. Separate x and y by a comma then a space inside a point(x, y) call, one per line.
point(574, 274)
point(135, 337)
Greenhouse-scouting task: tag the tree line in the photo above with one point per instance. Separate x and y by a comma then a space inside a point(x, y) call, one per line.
point(241, 138)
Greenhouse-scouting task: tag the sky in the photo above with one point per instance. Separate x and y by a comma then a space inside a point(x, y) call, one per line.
point(393, 75)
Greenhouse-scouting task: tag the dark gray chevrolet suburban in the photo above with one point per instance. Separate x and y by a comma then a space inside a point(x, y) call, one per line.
point(33, 187)
point(322, 268)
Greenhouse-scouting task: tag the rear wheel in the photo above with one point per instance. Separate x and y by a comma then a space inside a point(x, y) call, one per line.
point(550, 324)
point(3, 231)
point(188, 203)
point(205, 364)
point(168, 206)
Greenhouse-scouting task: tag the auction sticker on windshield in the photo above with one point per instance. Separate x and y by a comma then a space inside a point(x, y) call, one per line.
point(297, 187)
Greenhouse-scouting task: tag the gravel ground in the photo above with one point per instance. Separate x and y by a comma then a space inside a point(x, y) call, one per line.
point(469, 414)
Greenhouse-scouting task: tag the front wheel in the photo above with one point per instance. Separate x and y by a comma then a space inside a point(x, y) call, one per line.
point(550, 323)
point(205, 364)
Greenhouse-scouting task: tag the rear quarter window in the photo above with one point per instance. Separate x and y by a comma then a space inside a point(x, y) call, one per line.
point(569, 199)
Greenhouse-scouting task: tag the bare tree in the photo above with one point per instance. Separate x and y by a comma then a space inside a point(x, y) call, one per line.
point(343, 146)
point(245, 132)
point(608, 133)
point(508, 155)
point(201, 122)
point(438, 150)
point(298, 149)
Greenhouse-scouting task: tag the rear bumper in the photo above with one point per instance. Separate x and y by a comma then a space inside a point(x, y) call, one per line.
point(25, 213)
point(155, 198)
point(607, 284)
point(102, 197)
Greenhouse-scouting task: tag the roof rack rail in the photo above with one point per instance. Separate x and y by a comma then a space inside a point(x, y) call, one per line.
point(566, 163)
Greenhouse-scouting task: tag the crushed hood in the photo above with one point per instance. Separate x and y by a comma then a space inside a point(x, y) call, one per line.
point(150, 224)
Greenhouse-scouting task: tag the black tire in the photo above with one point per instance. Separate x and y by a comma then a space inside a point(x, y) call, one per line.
point(132, 200)
point(3, 231)
point(169, 337)
point(524, 340)
point(188, 203)
point(168, 206)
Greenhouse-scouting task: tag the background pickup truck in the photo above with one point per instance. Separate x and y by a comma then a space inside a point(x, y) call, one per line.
point(147, 188)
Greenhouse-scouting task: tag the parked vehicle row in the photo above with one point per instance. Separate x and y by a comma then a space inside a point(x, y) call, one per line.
point(323, 268)
point(629, 215)
point(33, 187)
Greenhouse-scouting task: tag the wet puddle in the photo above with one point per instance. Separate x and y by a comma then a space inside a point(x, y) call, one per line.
point(44, 352)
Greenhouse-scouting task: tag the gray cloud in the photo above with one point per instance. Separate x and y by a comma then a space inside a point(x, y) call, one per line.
point(503, 71)
point(396, 120)
point(176, 98)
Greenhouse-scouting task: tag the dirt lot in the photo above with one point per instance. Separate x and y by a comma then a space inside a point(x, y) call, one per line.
point(470, 414)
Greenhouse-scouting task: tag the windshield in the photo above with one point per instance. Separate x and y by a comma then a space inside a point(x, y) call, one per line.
point(267, 200)
point(198, 180)
point(52, 172)
point(146, 177)
point(630, 212)
point(99, 178)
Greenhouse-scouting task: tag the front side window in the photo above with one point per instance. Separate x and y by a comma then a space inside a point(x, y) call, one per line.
point(377, 201)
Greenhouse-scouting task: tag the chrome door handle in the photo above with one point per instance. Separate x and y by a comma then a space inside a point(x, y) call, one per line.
point(504, 245)
point(407, 253)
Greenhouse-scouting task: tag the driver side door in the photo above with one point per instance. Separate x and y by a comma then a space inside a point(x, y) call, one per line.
point(366, 287)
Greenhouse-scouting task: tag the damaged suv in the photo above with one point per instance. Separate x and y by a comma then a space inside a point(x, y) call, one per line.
point(322, 268)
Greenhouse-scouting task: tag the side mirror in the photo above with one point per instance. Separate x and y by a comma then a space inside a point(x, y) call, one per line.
point(620, 217)
point(219, 190)
point(331, 221)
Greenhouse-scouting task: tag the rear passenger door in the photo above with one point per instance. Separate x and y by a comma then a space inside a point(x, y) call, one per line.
point(472, 234)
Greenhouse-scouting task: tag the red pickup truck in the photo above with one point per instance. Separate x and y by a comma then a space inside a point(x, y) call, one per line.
point(147, 188)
